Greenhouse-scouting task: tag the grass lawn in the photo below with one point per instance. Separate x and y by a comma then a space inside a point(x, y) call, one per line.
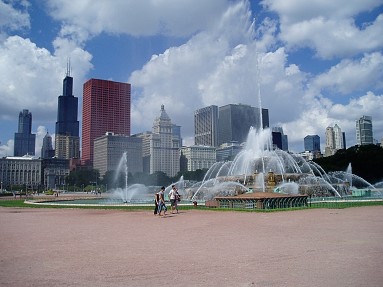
point(21, 203)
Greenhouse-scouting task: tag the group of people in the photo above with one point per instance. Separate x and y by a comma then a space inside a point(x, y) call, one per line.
point(160, 205)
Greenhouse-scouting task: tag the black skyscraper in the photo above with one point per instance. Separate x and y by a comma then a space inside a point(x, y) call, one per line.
point(67, 140)
point(24, 139)
point(67, 123)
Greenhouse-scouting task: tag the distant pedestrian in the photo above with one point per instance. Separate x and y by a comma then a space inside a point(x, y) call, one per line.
point(174, 196)
point(161, 202)
point(156, 200)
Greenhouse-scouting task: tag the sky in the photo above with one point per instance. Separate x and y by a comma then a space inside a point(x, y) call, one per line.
point(312, 64)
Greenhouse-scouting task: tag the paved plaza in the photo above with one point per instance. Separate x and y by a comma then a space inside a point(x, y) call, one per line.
point(88, 247)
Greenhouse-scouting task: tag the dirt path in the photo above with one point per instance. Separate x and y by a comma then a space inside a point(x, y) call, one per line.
point(77, 247)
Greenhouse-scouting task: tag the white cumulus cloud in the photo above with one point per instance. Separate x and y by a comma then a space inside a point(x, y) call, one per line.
point(328, 27)
point(137, 18)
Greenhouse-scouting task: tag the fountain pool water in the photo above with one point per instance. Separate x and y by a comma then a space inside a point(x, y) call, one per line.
point(135, 193)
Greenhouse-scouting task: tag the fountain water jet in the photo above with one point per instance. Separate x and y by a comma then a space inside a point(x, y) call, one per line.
point(132, 193)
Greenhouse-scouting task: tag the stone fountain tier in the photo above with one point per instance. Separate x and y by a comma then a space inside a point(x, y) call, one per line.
point(273, 182)
point(271, 178)
point(259, 200)
point(259, 195)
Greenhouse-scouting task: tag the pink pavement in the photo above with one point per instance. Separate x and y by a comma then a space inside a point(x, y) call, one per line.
point(79, 247)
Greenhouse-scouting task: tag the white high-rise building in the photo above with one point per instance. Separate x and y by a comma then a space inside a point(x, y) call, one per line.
point(164, 146)
point(330, 140)
point(364, 131)
point(338, 137)
point(334, 140)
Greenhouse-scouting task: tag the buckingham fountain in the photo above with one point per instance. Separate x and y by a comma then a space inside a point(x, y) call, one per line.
point(258, 171)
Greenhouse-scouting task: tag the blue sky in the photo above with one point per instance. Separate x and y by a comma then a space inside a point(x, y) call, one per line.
point(318, 63)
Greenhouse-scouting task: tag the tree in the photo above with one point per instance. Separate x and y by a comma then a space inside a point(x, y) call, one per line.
point(196, 175)
point(83, 177)
point(366, 162)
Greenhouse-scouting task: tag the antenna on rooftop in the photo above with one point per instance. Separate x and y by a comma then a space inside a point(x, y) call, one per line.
point(68, 68)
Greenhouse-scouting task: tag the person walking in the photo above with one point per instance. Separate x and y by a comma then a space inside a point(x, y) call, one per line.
point(156, 199)
point(173, 196)
point(161, 202)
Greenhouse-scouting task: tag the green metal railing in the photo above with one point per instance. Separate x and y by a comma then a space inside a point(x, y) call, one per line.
point(342, 202)
point(300, 202)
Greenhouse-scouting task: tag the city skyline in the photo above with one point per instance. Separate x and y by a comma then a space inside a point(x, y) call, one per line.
point(337, 136)
point(264, 112)
point(188, 55)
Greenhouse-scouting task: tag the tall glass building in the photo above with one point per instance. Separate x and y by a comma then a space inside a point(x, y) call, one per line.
point(206, 126)
point(312, 143)
point(24, 139)
point(234, 122)
point(280, 140)
point(364, 134)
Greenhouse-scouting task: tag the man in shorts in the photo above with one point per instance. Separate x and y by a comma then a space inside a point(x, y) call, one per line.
point(173, 197)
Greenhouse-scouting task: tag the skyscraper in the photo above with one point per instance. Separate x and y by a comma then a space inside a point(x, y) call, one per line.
point(164, 146)
point(276, 138)
point(24, 139)
point(330, 142)
point(364, 131)
point(106, 108)
point(312, 143)
point(206, 126)
point(338, 138)
point(176, 131)
point(335, 140)
point(234, 122)
point(67, 140)
point(280, 140)
point(47, 150)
